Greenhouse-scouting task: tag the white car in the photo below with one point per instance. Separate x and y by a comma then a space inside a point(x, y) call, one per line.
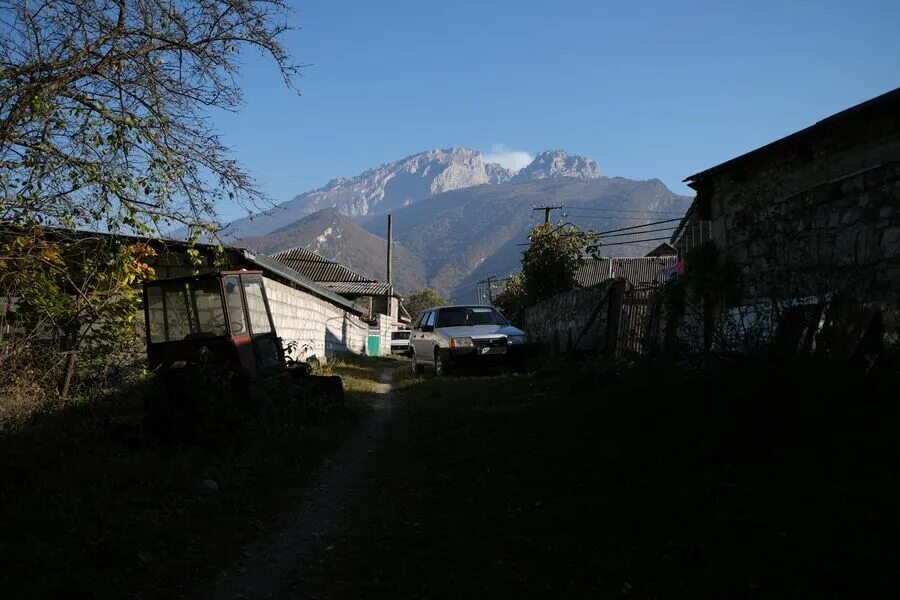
point(400, 342)
point(450, 336)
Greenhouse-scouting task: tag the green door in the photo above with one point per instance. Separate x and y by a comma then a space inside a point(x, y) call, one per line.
point(374, 348)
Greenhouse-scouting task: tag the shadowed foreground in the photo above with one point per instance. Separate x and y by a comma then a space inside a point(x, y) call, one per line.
point(664, 482)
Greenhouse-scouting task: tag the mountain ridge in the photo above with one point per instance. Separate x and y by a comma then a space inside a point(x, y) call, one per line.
point(393, 185)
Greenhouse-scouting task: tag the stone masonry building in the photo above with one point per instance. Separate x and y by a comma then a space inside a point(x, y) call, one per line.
point(810, 220)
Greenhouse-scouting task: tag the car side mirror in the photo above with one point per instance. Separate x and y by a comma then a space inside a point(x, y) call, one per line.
point(427, 328)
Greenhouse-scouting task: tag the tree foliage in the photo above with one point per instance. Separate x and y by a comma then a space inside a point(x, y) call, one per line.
point(550, 263)
point(416, 302)
point(512, 299)
point(105, 112)
point(104, 108)
point(549, 266)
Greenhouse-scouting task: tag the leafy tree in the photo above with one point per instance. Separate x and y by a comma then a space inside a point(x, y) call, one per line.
point(416, 302)
point(549, 266)
point(104, 125)
point(512, 298)
point(104, 108)
point(550, 263)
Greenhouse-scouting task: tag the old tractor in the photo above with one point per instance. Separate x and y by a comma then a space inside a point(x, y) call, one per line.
point(219, 362)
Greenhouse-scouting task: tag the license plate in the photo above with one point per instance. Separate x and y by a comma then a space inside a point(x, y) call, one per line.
point(493, 350)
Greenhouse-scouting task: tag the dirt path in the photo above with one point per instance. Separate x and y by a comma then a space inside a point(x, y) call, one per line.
point(272, 563)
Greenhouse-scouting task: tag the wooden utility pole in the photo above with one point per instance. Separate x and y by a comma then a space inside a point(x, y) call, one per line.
point(547, 210)
point(389, 242)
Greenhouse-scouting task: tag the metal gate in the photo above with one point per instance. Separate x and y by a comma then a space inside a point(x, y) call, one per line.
point(639, 321)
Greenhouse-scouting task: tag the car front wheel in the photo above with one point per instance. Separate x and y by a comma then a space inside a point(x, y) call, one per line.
point(416, 367)
point(441, 368)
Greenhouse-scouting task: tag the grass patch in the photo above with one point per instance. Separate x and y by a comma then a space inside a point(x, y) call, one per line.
point(90, 508)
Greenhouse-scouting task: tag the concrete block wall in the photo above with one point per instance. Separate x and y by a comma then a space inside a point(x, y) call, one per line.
point(317, 326)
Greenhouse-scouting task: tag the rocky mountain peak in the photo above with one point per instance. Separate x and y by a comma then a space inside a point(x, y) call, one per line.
point(558, 163)
point(497, 173)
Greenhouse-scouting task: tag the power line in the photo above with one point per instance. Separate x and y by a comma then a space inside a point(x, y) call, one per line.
point(638, 226)
point(603, 218)
point(624, 210)
point(641, 232)
point(634, 242)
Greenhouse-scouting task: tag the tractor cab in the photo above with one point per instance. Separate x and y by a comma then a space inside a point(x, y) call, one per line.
point(224, 314)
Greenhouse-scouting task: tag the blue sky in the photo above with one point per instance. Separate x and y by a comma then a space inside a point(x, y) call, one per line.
point(647, 89)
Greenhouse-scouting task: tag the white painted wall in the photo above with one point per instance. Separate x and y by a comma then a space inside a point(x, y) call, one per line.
point(308, 320)
point(386, 324)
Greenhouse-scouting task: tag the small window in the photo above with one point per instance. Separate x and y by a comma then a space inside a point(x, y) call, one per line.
point(256, 305)
point(430, 320)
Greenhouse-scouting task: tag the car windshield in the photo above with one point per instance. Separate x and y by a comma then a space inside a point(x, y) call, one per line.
point(459, 316)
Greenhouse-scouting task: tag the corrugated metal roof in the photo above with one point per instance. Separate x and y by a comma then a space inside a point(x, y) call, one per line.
point(358, 288)
point(636, 270)
point(270, 264)
point(317, 268)
point(262, 261)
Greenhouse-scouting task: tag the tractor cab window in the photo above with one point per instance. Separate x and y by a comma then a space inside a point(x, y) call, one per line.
point(256, 305)
point(207, 305)
point(235, 305)
point(156, 314)
point(185, 310)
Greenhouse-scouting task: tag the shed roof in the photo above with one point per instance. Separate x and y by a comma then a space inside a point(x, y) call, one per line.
point(636, 270)
point(269, 264)
point(266, 263)
point(316, 267)
point(664, 249)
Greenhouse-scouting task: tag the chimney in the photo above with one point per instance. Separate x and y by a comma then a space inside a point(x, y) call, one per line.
point(390, 241)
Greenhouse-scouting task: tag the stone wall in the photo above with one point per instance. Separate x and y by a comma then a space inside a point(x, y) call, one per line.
point(316, 325)
point(579, 320)
point(839, 237)
point(812, 221)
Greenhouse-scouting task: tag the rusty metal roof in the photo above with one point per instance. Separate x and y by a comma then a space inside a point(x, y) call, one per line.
point(317, 268)
point(636, 270)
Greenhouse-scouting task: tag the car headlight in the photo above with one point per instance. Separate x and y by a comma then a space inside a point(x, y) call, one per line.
point(517, 339)
point(461, 342)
